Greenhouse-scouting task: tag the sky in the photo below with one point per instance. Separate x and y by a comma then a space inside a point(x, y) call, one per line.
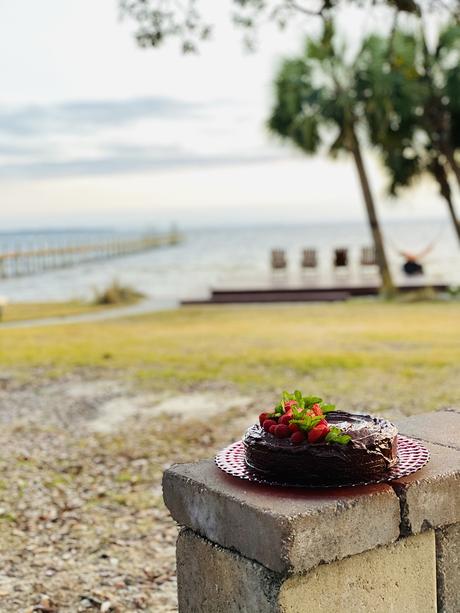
point(96, 131)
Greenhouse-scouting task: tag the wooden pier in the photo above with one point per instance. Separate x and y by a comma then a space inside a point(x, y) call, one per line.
point(30, 261)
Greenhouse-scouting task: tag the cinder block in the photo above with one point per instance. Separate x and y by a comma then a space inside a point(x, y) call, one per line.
point(390, 579)
point(211, 579)
point(448, 568)
point(398, 577)
point(441, 428)
point(430, 498)
point(285, 529)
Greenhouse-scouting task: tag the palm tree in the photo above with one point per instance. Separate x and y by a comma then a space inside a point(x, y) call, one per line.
point(314, 94)
point(442, 107)
point(402, 112)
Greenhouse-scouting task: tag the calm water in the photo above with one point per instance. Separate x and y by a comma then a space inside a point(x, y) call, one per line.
point(229, 256)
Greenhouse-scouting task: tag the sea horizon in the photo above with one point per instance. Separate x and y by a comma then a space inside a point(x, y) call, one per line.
point(92, 226)
point(220, 256)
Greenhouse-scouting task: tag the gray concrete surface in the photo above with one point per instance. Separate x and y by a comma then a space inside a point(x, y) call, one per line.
point(442, 427)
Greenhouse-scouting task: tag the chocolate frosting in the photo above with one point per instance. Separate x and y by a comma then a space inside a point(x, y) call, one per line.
point(371, 451)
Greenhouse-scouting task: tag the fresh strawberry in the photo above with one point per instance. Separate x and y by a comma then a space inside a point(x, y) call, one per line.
point(263, 417)
point(294, 428)
point(297, 437)
point(289, 404)
point(282, 431)
point(285, 419)
point(316, 409)
point(273, 428)
point(318, 432)
point(268, 423)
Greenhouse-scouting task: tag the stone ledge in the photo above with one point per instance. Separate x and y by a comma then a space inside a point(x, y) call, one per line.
point(441, 428)
point(430, 498)
point(285, 529)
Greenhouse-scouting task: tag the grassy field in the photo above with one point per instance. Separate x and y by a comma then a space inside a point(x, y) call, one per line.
point(21, 311)
point(370, 354)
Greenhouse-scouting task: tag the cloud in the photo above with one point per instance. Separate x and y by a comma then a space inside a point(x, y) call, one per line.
point(77, 138)
point(129, 160)
point(74, 116)
point(9, 149)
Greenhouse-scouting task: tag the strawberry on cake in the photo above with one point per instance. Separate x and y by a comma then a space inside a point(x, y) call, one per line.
point(304, 440)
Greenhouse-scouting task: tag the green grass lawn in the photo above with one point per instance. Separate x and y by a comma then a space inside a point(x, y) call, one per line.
point(364, 353)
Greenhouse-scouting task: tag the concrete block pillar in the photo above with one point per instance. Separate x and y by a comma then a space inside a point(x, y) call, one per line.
point(386, 548)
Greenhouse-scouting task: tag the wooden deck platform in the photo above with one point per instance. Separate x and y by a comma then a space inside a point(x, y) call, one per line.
point(301, 294)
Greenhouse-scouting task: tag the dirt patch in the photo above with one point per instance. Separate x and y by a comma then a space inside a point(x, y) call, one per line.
point(103, 405)
point(112, 413)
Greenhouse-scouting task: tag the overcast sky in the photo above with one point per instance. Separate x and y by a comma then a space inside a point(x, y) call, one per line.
point(94, 130)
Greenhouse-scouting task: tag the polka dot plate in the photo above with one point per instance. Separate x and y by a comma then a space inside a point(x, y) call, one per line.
point(412, 456)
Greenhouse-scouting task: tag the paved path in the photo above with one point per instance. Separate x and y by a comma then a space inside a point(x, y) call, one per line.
point(141, 308)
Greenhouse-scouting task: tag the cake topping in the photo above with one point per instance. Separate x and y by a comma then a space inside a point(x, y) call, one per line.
point(302, 417)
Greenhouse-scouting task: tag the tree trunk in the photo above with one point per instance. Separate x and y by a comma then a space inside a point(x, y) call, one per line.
point(382, 262)
point(439, 173)
point(448, 152)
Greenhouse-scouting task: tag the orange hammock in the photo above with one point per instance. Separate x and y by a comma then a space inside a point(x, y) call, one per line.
point(411, 256)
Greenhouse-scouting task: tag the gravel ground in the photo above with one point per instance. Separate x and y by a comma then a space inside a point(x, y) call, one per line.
point(82, 522)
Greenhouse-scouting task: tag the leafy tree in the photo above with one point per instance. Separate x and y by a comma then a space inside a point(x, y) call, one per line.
point(409, 161)
point(412, 104)
point(315, 95)
point(160, 20)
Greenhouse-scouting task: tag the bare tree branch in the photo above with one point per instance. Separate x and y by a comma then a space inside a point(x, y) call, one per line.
point(161, 20)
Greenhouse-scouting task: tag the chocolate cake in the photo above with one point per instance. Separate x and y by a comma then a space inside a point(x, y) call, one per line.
point(333, 447)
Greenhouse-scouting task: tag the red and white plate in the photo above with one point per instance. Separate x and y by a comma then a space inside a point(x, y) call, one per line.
point(412, 456)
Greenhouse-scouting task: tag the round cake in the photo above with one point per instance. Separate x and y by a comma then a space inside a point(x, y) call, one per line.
point(307, 442)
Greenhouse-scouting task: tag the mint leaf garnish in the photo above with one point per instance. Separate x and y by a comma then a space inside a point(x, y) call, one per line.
point(327, 408)
point(304, 411)
point(335, 435)
point(311, 400)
